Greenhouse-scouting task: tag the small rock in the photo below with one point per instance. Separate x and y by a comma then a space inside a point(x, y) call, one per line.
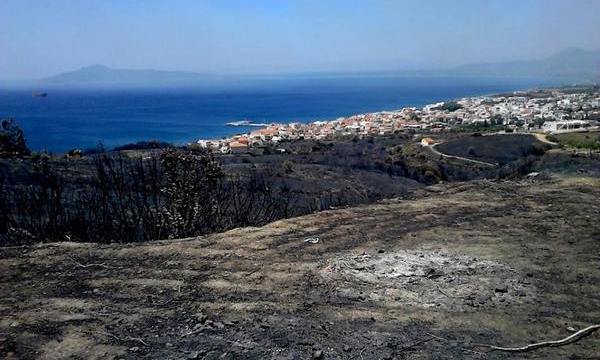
point(317, 354)
point(169, 344)
point(347, 348)
point(501, 289)
point(571, 329)
point(134, 349)
point(14, 324)
point(431, 273)
point(219, 325)
point(194, 355)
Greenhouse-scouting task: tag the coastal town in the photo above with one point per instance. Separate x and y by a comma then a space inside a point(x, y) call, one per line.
point(543, 111)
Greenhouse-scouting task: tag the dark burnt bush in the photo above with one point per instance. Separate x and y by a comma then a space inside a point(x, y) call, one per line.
point(144, 145)
point(190, 190)
point(111, 197)
point(12, 140)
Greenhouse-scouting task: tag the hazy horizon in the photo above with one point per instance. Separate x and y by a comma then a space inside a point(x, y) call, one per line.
point(40, 39)
point(284, 73)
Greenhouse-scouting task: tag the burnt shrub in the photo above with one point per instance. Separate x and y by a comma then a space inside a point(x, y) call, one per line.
point(191, 191)
point(144, 145)
point(112, 197)
point(288, 166)
point(12, 140)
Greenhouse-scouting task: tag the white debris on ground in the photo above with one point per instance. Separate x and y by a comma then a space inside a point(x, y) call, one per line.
point(312, 240)
point(427, 279)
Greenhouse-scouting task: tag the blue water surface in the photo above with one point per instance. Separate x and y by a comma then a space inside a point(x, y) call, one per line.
point(80, 118)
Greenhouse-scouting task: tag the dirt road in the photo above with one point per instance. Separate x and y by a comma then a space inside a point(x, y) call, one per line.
point(503, 263)
point(543, 138)
point(478, 162)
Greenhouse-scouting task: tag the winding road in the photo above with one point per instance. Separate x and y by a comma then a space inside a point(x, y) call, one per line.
point(539, 136)
point(435, 151)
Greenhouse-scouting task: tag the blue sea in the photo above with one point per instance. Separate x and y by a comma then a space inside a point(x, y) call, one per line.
point(81, 118)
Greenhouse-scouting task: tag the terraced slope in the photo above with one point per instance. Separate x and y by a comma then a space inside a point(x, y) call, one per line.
point(482, 262)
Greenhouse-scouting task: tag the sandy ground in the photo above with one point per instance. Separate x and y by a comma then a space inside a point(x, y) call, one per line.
point(503, 263)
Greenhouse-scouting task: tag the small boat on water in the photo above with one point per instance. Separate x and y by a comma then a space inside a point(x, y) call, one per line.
point(39, 94)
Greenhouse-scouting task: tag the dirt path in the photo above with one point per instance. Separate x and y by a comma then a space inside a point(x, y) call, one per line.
point(502, 263)
point(539, 136)
point(543, 138)
point(436, 152)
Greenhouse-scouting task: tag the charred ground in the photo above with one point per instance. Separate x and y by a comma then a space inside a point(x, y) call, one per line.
point(444, 256)
point(495, 262)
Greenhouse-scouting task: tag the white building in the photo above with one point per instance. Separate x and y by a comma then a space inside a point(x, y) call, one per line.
point(562, 126)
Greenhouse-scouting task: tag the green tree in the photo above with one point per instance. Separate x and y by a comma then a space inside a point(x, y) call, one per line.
point(451, 106)
point(497, 119)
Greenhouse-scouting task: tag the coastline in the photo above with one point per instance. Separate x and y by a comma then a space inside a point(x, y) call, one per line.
point(72, 119)
point(556, 108)
point(250, 124)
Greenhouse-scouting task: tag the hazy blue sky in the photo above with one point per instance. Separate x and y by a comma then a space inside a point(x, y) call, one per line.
point(43, 37)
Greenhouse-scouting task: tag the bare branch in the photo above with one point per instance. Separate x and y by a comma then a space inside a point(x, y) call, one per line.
point(553, 343)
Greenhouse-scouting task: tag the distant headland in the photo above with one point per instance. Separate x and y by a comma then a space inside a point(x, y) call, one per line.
point(574, 65)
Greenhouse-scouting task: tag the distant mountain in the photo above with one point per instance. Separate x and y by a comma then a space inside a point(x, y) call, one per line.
point(572, 64)
point(103, 75)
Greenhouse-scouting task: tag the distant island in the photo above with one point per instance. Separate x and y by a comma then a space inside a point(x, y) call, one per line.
point(578, 65)
point(573, 65)
point(103, 75)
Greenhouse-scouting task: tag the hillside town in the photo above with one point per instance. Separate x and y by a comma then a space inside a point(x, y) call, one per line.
point(547, 111)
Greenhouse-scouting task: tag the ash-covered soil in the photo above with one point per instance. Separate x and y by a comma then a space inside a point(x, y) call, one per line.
point(503, 263)
point(428, 279)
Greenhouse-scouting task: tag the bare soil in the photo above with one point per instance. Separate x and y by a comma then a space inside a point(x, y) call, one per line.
point(504, 263)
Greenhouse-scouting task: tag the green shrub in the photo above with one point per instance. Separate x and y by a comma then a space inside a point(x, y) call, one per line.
point(450, 106)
